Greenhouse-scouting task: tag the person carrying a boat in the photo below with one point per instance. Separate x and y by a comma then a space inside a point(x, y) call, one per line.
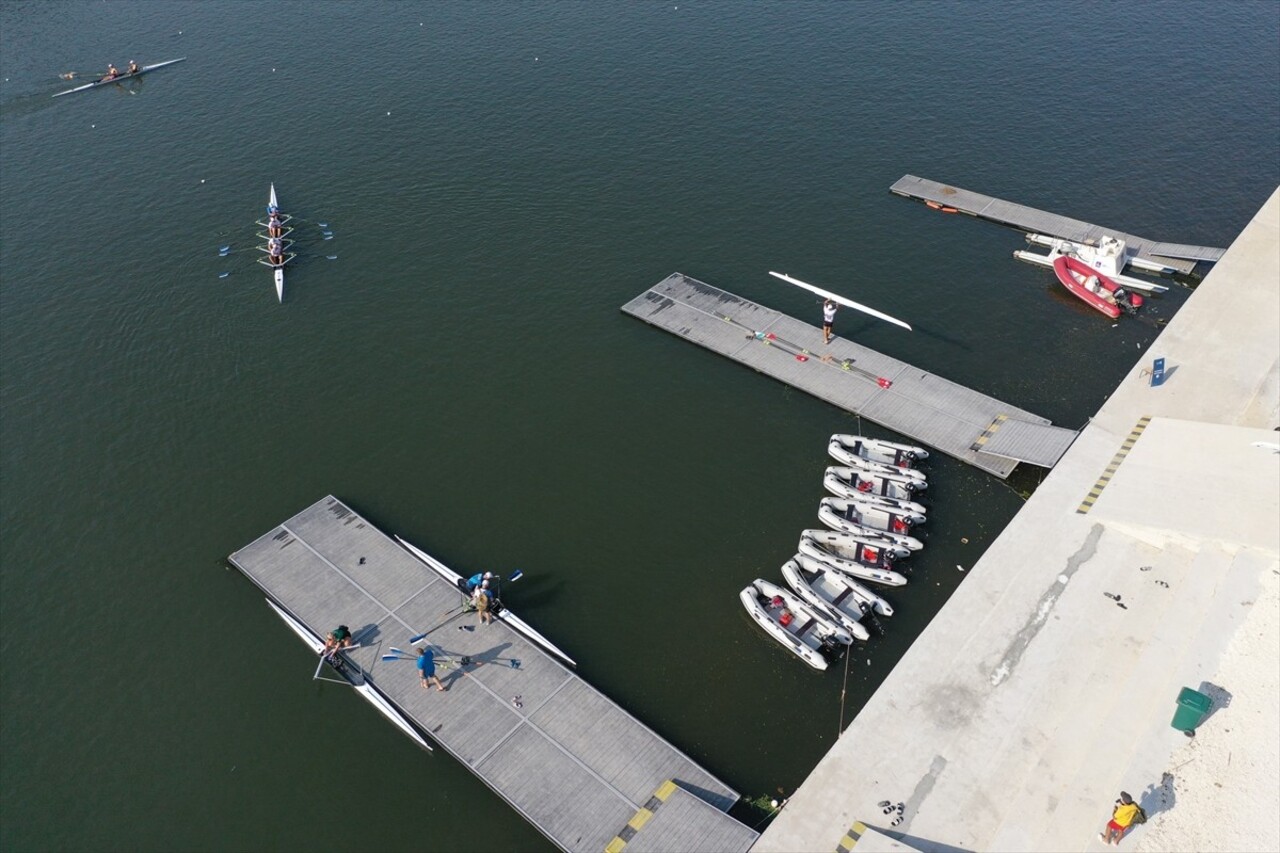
point(112, 72)
point(828, 319)
point(134, 67)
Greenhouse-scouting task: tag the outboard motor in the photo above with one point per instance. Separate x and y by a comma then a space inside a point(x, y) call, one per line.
point(830, 648)
point(869, 616)
point(1130, 302)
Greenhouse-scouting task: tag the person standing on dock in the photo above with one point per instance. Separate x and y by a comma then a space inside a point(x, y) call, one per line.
point(483, 600)
point(828, 319)
point(427, 669)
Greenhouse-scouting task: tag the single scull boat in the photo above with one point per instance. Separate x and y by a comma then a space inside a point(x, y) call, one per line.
point(120, 78)
point(364, 688)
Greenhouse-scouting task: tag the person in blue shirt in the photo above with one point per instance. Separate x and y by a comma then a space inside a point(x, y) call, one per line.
point(476, 580)
point(427, 669)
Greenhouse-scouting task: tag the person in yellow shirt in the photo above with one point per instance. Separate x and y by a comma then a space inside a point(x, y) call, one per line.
point(1121, 819)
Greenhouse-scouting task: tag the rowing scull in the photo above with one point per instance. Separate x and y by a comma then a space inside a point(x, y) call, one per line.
point(365, 689)
point(278, 269)
point(517, 624)
point(120, 78)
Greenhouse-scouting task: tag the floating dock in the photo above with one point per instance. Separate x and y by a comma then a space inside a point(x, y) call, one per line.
point(933, 411)
point(1177, 256)
point(577, 766)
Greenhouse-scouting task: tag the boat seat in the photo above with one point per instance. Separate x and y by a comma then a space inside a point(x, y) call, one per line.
point(848, 591)
point(805, 627)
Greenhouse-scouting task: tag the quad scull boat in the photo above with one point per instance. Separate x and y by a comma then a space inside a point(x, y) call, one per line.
point(285, 242)
point(119, 78)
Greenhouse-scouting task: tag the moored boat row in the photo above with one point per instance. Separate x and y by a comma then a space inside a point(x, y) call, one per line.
point(871, 520)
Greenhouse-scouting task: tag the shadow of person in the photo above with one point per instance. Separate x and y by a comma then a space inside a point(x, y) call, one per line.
point(1158, 797)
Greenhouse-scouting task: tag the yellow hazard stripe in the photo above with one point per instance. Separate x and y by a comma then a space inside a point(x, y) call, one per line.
point(1110, 471)
point(641, 817)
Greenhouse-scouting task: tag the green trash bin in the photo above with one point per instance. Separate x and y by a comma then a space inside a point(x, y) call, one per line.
point(1193, 707)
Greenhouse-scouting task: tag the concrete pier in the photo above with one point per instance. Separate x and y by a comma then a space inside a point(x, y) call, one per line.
point(1047, 683)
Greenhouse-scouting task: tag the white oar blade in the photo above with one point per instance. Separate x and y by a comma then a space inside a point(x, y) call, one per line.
point(849, 303)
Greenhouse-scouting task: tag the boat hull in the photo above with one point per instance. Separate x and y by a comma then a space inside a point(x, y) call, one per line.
point(846, 481)
point(851, 517)
point(847, 613)
point(851, 456)
point(865, 558)
point(1093, 288)
point(809, 636)
point(517, 624)
point(878, 604)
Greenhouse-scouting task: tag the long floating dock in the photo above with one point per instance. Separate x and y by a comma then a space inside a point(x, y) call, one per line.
point(578, 767)
point(1177, 256)
point(936, 412)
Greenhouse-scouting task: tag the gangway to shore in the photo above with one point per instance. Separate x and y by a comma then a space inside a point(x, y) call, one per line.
point(963, 423)
point(1180, 257)
point(573, 763)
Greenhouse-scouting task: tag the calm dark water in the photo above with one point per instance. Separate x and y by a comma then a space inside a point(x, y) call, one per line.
point(500, 178)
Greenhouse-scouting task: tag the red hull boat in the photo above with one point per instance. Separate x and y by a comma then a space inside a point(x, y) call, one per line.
point(1095, 288)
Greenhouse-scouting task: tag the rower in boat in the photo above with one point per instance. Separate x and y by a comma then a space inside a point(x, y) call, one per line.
point(134, 67)
point(275, 228)
point(112, 72)
point(275, 251)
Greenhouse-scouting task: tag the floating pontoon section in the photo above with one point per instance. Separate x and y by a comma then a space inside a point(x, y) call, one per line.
point(569, 760)
point(931, 410)
point(1177, 256)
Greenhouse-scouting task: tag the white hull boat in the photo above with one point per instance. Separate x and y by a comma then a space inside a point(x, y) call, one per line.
point(852, 451)
point(878, 605)
point(1109, 257)
point(807, 633)
point(841, 488)
point(851, 517)
point(885, 452)
point(277, 269)
point(865, 558)
point(830, 593)
point(363, 687)
point(846, 481)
